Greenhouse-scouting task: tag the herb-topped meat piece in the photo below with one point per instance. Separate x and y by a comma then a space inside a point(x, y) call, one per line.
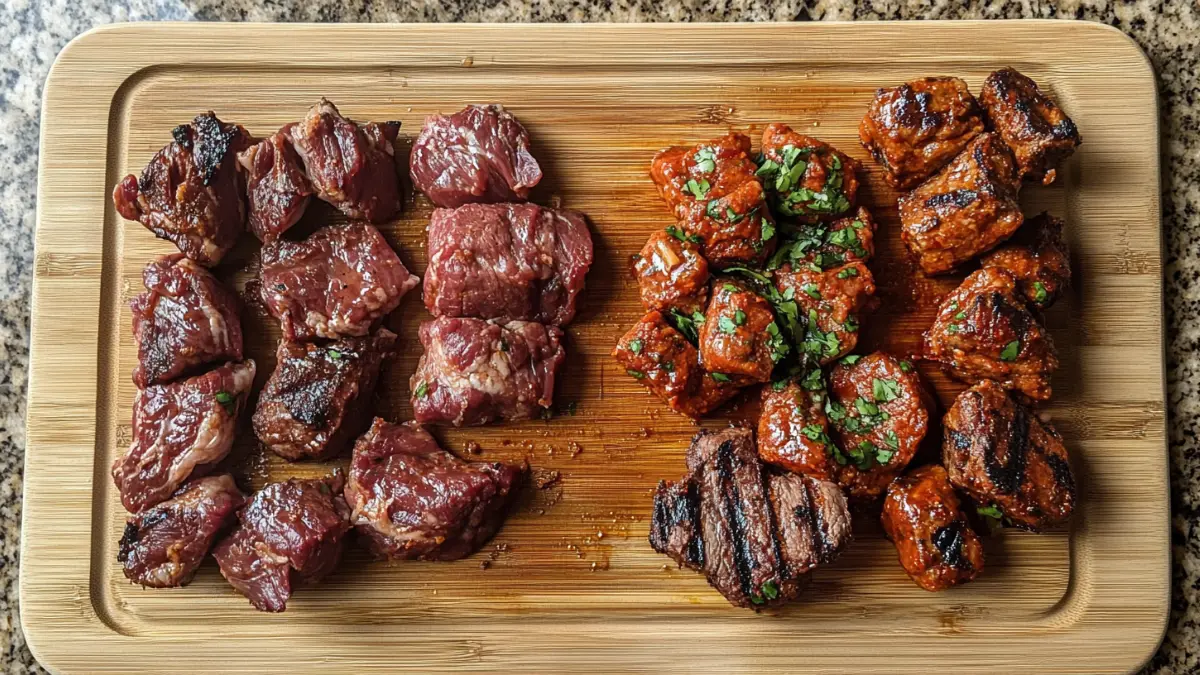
point(937, 546)
point(1038, 258)
point(277, 190)
point(805, 177)
point(1030, 122)
point(826, 245)
point(793, 431)
point(672, 274)
point(740, 342)
point(831, 302)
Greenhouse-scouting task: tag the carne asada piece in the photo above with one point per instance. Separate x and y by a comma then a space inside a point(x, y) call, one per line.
point(186, 319)
point(478, 154)
point(411, 499)
point(915, 129)
point(1038, 258)
point(832, 301)
point(966, 209)
point(739, 338)
point(937, 546)
point(672, 274)
point(1039, 133)
point(290, 533)
point(507, 262)
point(318, 399)
point(189, 193)
point(338, 282)
point(164, 545)
point(1006, 458)
point(277, 190)
point(793, 431)
point(805, 177)
point(180, 431)
point(826, 245)
point(984, 330)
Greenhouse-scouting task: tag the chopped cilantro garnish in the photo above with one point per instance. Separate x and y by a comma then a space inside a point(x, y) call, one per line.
point(687, 325)
point(226, 400)
point(885, 390)
point(990, 511)
point(637, 374)
point(739, 317)
point(719, 377)
point(813, 381)
point(713, 210)
point(847, 273)
point(726, 325)
point(810, 289)
point(768, 229)
point(699, 189)
point(635, 346)
point(706, 160)
point(421, 390)
point(681, 236)
point(1039, 292)
point(906, 366)
point(730, 288)
point(1010, 351)
point(850, 360)
point(770, 590)
point(333, 354)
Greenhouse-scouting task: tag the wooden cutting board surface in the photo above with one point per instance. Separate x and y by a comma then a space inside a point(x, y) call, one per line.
point(571, 582)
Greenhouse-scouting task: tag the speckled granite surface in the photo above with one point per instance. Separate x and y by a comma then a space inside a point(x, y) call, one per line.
point(33, 31)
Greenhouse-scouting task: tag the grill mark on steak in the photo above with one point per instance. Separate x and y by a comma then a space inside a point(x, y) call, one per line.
point(816, 520)
point(1007, 476)
point(731, 506)
point(960, 198)
point(784, 570)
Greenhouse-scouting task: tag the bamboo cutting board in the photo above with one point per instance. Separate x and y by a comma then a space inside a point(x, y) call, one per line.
point(570, 582)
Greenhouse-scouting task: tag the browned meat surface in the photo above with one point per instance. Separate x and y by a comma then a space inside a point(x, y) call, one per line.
point(921, 516)
point(319, 397)
point(185, 320)
point(180, 430)
point(879, 410)
point(277, 191)
point(672, 274)
point(825, 245)
point(832, 301)
point(739, 340)
point(966, 209)
point(793, 431)
point(338, 282)
point(507, 262)
point(1030, 122)
point(189, 193)
point(478, 154)
point(1002, 455)
point(914, 129)
point(1038, 258)
point(805, 177)
point(351, 166)
point(164, 545)
point(984, 330)
point(411, 499)
point(475, 371)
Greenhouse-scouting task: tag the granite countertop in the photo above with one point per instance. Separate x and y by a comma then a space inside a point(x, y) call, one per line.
point(33, 31)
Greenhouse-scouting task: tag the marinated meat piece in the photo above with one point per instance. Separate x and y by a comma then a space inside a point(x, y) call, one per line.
point(793, 431)
point(277, 191)
point(984, 330)
point(937, 546)
point(479, 154)
point(338, 282)
point(1038, 258)
point(189, 193)
point(351, 166)
point(1039, 133)
point(475, 371)
point(411, 499)
point(318, 399)
point(1002, 454)
point(966, 209)
point(507, 262)
point(879, 410)
point(290, 533)
point(164, 545)
point(826, 245)
point(180, 430)
point(740, 340)
point(672, 274)
point(831, 301)
point(714, 193)
point(185, 320)
point(914, 129)
point(805, 177)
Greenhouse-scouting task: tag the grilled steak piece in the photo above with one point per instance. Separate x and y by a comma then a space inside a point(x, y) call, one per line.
point(921, 516)
point(411, 499)
point(1038, 258)
point(164, 545)
point(318, 398)
point(805, 177)
point(793, 431)
point(1001, 454)
point(753, 533)
point(507, 262)
point(185, 319)
point(351, 166)
point(475, 371)
point(289, 534)
point(189, 193)
point(479, 154)
point(832, 301)
point(827, 245)
point(739, 340)
point(1030, 122)
point(672, 274)
point(277, 190)
point(180, 430)
point(338, 282)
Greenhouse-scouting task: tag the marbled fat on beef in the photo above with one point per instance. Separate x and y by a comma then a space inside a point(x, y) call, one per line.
point(277, 190)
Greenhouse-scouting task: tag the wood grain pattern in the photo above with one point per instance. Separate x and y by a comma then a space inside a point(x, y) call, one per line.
point(578, 586)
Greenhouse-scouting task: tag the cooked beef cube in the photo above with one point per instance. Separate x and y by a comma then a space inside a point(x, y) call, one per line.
point(507, 262)
point(672, 274)
point(714, 193)
point(189, 193)
point(984, 330)
point(411, 499)
point(805, 177)
point(793, 431)
point(1039, 133)
point(966, 209)
point(184, 320)
point(277, 191)
point(338, 282)
point(1003, 455)
point(180, 430)
point(478, 154)
point(318, 398)
point(879, 410)
point(475, 371)
point(937, 546)
point(1038, 258)
point(164, 545)
point(740, 339)
point(831, 301)
point(914, 129)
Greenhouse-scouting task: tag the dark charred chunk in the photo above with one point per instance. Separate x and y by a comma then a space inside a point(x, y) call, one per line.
point(959, 198)
point(949, 541)
point(214, 141)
